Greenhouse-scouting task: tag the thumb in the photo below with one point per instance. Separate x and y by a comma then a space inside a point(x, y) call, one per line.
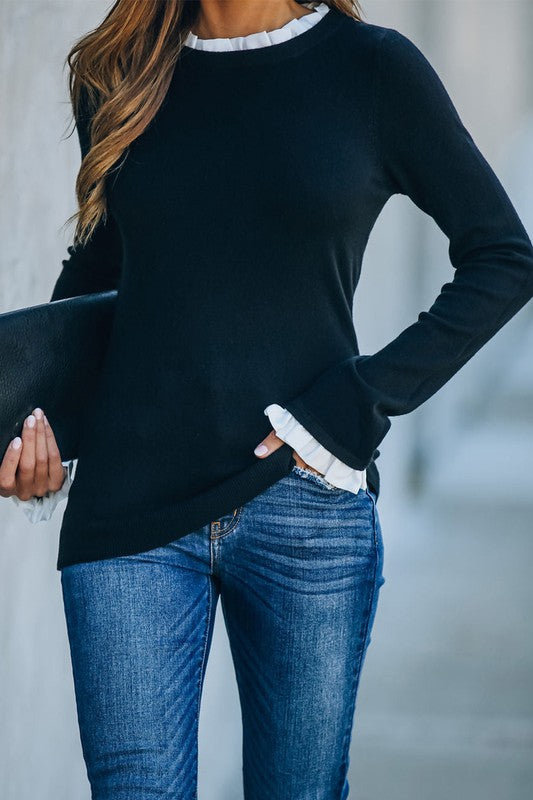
point(268, 445)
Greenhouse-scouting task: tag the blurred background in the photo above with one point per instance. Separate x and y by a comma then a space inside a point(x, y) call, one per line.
point(445, 703)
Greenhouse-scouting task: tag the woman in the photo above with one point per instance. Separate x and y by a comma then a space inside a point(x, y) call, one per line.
point(235, 159)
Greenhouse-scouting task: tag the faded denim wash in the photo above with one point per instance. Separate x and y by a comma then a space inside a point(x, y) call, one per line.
point(298, 570)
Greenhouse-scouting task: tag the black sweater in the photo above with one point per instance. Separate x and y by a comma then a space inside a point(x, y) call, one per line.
point(265, 167)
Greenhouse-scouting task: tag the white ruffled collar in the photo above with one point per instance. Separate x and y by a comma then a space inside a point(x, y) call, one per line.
point(262, 38)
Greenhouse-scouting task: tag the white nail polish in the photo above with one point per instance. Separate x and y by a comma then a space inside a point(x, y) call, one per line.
point(15, 444)
point(38, 413)
point(261, 449)
point(30, 421)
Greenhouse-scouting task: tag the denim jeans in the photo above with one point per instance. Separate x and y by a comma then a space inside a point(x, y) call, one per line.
point(298, 570)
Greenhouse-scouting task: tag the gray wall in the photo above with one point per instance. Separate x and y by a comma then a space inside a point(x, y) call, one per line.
point(445, 703)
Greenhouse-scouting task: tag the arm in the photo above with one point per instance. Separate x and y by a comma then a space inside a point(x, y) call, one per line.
point(96, 266)
point(289, 430)
point(93, 268)
point(427, 154)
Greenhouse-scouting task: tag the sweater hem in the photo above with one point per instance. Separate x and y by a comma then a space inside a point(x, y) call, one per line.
point(89, 538)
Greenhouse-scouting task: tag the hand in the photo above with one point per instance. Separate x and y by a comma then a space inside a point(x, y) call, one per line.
point(32, 464)
point(271, 443)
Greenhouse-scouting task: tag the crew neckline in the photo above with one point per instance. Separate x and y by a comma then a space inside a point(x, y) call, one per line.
point(268, 53)
point(294, 27)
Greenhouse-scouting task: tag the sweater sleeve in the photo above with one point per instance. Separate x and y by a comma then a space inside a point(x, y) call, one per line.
point(290, 431)
point(427, 154)
point(92, 268)
point(96, 266)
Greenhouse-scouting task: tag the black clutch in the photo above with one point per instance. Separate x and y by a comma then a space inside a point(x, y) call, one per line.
point(51, 357)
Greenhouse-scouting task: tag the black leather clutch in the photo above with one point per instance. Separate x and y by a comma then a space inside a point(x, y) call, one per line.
point(51, 357)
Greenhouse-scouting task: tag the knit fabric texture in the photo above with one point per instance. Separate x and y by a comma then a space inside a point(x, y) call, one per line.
point(268, 167)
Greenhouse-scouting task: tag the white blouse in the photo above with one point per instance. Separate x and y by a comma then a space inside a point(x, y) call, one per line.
point(287, 428)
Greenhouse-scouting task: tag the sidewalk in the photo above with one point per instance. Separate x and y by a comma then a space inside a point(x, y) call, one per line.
point(445, 705)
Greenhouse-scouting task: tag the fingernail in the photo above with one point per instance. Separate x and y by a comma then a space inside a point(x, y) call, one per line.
point(45, 419)
point(38, 413)
point(261, 449)
point(15, 444)
point(30, 421)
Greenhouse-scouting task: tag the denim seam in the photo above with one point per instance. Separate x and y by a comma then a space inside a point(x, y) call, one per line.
point(74, 667)
point(200, 678)
point(357, 672)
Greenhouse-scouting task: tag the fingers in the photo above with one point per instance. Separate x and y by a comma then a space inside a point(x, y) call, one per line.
point(26, 467)
point(47, 472)
point(271, 443)
point(268, 445)
point(56, 470)
point(40, 475)
point(31, 465)
point(299, 460)
point(8, 467)
point(301, 463)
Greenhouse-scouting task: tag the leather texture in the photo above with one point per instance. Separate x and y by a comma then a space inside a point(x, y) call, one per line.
point(51, 356)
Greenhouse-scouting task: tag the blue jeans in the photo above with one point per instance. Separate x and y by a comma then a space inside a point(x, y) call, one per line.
point(298, 570)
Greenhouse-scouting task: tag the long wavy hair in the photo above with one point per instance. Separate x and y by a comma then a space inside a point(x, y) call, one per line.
point(119, 76)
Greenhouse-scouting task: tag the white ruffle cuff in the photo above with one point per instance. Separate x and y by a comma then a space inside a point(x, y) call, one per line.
point(40, 509)
point(312, 452)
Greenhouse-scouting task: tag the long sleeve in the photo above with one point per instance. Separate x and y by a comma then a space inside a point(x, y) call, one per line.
point(427, 154)
point(335, 471)
point(95, 267)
